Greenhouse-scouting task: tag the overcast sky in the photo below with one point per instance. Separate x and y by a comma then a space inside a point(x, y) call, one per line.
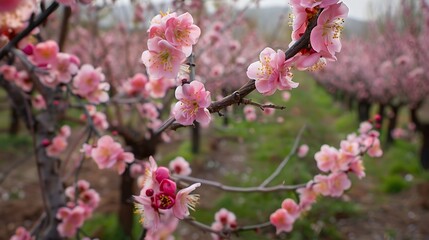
point(360, 9)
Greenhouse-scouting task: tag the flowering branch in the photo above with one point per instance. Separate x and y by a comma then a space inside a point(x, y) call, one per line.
point(33, 24)
point(238, 96)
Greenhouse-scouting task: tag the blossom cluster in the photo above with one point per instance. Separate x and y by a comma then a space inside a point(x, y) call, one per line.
point(224, 221)
point(108, 153)
point(82, 202)
point(325, 37)
point(171, 38)
point(338, 163)
point(159, 197)
point(273, 71)
point(59, 143)
point(22, 234)
point(19, 78)
point(98, 118)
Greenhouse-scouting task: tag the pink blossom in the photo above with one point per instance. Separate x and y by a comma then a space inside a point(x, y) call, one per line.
point(319, 3)
point(89, 83)
point(291, 207)
point(185, 201)
point(350, 147)
point(148, 110)
point(45, 52)
point(249, 113)
point(122, 160)
point(272, 72)
point(326, 158)
point(181, 32)
point(357, 168)
point(282, 220)
point(286, 96)
point(338, 182)
point(322, 185)
point(325, 37)
point(57, 146)
point(303, 150)
point(65, 67)
point(23, 80)
point(226, 217)
point(149, 216)
point(21, 233)
point(167, 225)
point(71, 220)
point(157, 88)
point(365, 127)
point(106, 152)
point(38, 102)
point(86, 149)
point(9, 72)
point(65, 131)
point(9, 6)
point(180, 166)
point(307, 196)
point(136, 85)
point(162, 59)
point(375, 147)
point(192, 106)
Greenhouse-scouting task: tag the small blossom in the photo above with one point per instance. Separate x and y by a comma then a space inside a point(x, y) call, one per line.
point(192, 105)
point(22, 234)
point(180, 166)
point(282, 220)
point(303, 150)
point(162, 59)
point(272, 72)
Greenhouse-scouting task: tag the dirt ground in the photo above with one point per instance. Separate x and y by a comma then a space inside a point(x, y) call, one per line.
point(400, 216)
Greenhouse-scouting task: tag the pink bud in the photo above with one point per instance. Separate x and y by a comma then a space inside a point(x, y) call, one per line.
point(162, 173)
point(168, 187)
point(114, 133)
point(46, 142)
point(28, 49)
point(149, 192)
point(377, 117)
point(56, 102)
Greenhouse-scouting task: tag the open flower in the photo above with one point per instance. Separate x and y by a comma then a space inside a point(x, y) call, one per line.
point(272, 72)
point(325, 37)
point(185, 201)
point(192, 106)
point(162, 59)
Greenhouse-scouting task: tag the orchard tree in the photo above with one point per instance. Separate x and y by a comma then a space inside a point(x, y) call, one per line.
point(126, 108)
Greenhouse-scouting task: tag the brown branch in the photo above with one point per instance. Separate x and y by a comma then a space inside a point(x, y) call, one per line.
point(33, 24)
point(277, 188)
point(261, 106)
point(238, 96)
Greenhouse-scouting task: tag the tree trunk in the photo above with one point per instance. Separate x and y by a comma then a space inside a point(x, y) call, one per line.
point(381, 113)
point(393, 120)
point(424, 151)
point(50, 181)
point(363, 110)
point(14, 122)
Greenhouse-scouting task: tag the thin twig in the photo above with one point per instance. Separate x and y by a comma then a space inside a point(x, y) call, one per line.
point(221, 186)
point(238, 96)
point(261, 106)
point(33, 24)
point(286, 160)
